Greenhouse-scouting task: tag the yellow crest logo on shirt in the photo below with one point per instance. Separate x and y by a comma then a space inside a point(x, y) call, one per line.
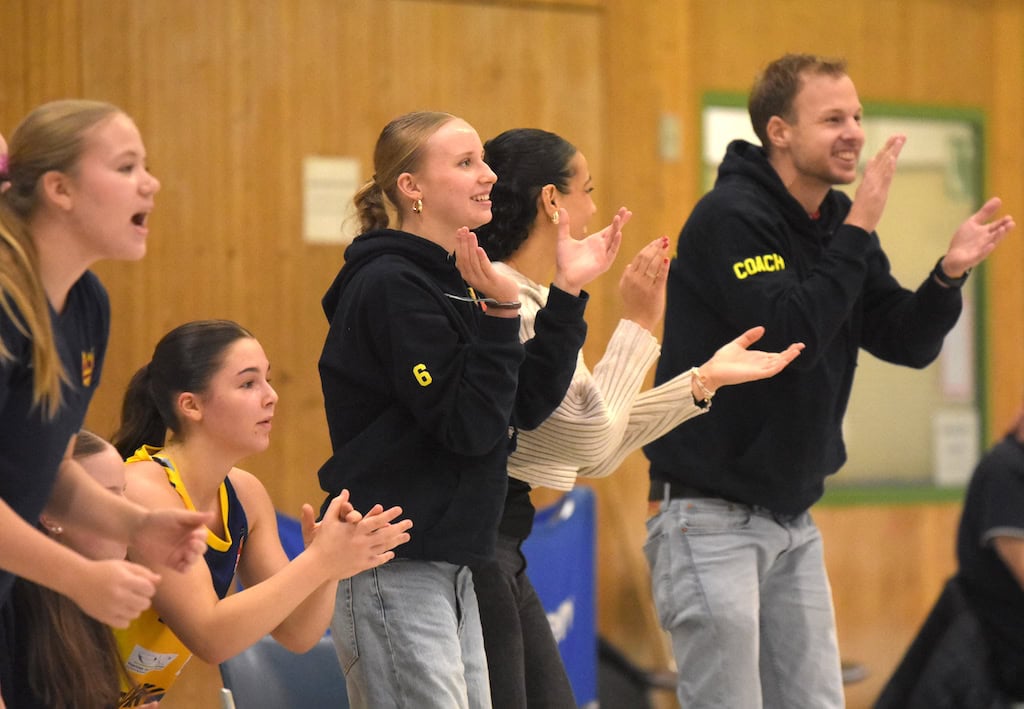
point(88, 365)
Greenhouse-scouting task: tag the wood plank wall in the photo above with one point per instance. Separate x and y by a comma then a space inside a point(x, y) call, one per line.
point(231, 94)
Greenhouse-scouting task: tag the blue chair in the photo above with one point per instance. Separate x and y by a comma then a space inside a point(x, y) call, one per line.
point(560, 564)
point(267, 676)
point(289, 529)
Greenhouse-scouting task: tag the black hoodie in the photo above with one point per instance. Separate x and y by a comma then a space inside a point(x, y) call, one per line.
point(750, 255)
point(422, 392)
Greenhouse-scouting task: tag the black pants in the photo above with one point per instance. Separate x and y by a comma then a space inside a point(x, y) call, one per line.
point(523, 662)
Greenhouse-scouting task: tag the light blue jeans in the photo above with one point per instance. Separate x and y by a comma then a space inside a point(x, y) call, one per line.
point(408, 636)
point(746, 600)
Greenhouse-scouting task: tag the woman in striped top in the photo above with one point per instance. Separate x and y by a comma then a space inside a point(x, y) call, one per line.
point(604, 415)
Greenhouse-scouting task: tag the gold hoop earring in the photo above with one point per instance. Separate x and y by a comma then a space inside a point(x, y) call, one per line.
point(554, 218)
point(417, 206)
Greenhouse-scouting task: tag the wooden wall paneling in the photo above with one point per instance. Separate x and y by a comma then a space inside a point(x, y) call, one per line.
point(175, 85)
point(648, 76)
point(1004, 322)
point(40, 57)
point(887, 564)
point(951, 76)
point(13, 70)
point(52, 36)
point(286, 102)
point(890, 45)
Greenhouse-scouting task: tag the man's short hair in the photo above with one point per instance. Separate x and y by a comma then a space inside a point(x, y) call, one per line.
point(776, 87)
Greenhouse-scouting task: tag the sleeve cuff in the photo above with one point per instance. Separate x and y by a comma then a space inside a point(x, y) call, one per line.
point(566, 306)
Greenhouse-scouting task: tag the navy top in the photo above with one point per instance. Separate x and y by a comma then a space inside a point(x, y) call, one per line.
point(32, 445)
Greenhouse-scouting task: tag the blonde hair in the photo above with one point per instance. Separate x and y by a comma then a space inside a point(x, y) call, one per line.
point(399, 149)
point(50, 138)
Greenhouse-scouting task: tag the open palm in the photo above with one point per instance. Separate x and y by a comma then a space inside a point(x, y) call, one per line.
point(578, 262)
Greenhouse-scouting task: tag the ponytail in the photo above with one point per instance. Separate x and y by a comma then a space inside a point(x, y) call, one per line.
point(525, 161)
point(399, 150)
point(141, 421)
point(185, 359)
point(371, 207)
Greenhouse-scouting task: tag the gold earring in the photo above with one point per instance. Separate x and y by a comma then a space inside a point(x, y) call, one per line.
point(554, 218)
point(56, 529)
point(417, 206)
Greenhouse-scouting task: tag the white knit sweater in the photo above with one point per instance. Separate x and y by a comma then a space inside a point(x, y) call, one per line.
point(604, 416)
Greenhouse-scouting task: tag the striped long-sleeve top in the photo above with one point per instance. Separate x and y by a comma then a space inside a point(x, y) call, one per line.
point(604, 415)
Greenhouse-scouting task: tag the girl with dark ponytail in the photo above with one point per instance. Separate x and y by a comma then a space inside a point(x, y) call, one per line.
point(203, 403)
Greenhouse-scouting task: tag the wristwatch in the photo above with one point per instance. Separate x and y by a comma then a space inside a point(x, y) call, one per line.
point(945, 280)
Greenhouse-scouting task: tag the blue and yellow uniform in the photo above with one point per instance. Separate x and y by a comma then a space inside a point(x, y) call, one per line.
point(152, 653)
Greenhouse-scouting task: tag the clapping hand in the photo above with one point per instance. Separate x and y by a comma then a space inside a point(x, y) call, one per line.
point(578, 262)
point(976, 238)
point(478, 271)
point(642, 286)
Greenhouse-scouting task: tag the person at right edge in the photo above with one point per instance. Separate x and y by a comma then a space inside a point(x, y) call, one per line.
point(736, 561)
point(990, 555)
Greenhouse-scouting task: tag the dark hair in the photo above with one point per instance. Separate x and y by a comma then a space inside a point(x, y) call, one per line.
point(399, 149)
point(525, 160)
point(71, 659)
point(185, 359)
point(777, 85)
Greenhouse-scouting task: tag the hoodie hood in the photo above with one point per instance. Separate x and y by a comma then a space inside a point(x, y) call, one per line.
point(745, 161)
point(383, 242)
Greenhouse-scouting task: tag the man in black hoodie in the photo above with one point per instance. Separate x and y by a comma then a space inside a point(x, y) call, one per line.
point(737, 566)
